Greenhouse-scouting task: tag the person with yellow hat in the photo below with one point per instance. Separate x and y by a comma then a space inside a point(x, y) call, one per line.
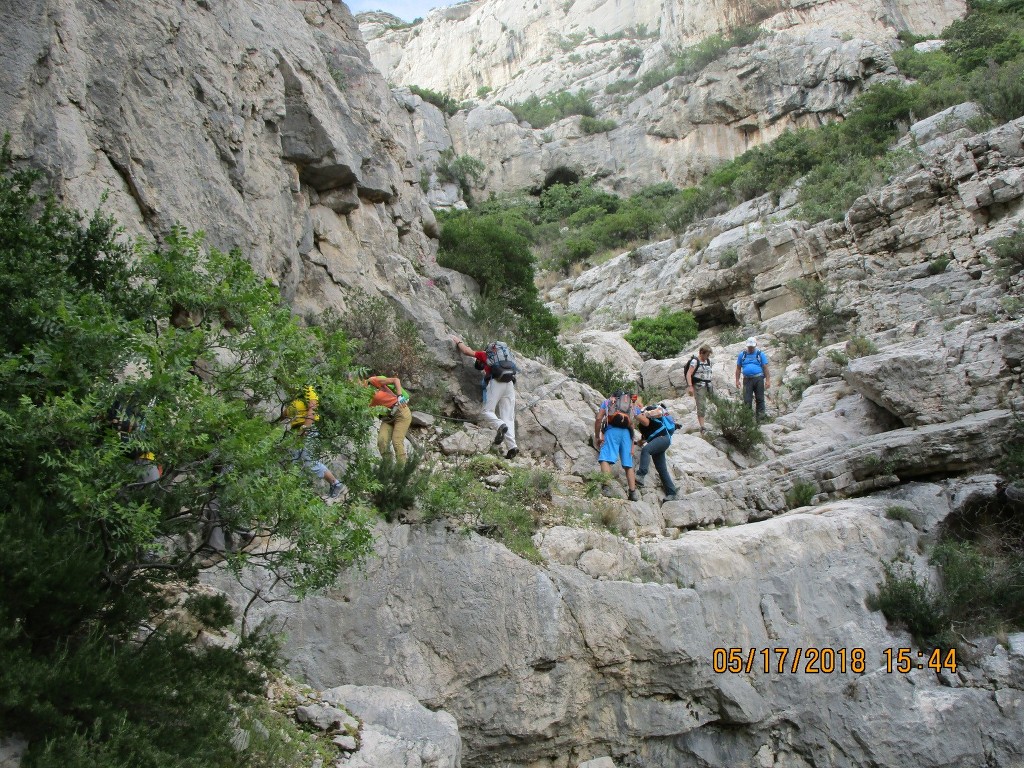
point(301, 414)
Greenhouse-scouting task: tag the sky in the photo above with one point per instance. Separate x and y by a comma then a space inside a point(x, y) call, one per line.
point(407, 10)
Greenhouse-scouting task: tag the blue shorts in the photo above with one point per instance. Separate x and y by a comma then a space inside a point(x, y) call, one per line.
point(617, 446)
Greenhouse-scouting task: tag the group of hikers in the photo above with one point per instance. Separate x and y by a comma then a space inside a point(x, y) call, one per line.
point(623, 423)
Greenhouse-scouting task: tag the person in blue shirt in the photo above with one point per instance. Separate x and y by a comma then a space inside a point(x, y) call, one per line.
point(752, 363)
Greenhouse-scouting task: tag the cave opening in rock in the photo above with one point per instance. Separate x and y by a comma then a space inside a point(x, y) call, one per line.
point(560, 175)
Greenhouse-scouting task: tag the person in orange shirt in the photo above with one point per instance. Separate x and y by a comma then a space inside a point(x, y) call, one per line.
point(391, 401)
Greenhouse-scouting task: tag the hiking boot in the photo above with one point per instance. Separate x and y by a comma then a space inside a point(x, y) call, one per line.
point(640, 481)
point(512, 453)
point(502, 430)
point(335, 490)
point(634, 495)
point(607, 492)
point(671, 496)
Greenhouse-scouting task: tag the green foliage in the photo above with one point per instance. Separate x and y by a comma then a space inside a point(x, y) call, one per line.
point(498, 257)
point(604, 377)
point(908, 601)
point(662, 336)
point(839, 358)
point(736, 423)
point(938, 265)
point(338, 76)
point(592, 125)
point(980, 561)
point(860, 346)
point(804, 345)
point(729, 259)
point(463, 170)
point(541, 112)
point(398, 486)
point(696, 57)
point(900, 514)
point(798, 385)
point(620, 86)
point(820, 303)
point(210, 610)
point(507, 514)
point(442, 101)
point(383, 342)
point(483, 91)
point(205, 349)
point(801, 494)
point(1009, 253)
point(566, 44)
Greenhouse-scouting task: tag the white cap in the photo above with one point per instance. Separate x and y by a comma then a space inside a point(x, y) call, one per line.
point(751, 342)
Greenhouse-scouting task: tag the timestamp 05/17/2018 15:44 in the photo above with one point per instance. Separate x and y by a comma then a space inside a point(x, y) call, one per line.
point(815, 661)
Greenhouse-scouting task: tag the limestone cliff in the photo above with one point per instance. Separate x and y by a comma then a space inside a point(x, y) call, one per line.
point(811, 61)
point(497, 43)
point(261, 123)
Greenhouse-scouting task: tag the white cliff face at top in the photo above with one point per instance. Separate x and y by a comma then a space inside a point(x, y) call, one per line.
point(507, 44)
point(812, 60)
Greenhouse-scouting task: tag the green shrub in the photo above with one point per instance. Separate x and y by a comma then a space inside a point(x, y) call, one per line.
point(736, 423)
point(507, 515)
point(803, 345)
point(398, 486)
point(463, 170)
point(860, 346)
point(797, 386)
point(820, 303)
point(487, 249)
point(1000, 89)
point(620, 86)
point(900, 514)
point(801, 494)
point(88, 322)
point(839, 358)
point(938, 265)
point(442, 101)
point(909, 602)
point(1009, 253)
point(592, 125)
point(604, 377)
point(729, 259)
point(662, 336)
point(483, 91)
point(382, 342)
point(542, 112)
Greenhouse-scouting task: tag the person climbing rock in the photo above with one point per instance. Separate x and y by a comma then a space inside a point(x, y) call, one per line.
point(301, 414)
point(499, 390)
point(391, 401)
point(613, 436)
point(656, 426)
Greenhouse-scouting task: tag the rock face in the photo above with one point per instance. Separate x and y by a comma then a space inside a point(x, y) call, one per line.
point(397, 731)
point(813, 58)
point(552, 666)
point(679, 130)
point(261, 123)
point(515, 48)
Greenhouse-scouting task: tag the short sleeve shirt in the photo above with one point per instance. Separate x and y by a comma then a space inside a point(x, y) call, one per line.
point(752, 363)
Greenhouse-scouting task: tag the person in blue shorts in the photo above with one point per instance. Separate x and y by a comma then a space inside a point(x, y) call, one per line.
point(613, 436)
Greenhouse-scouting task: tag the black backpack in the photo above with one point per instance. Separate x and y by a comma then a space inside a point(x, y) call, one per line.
point(500, 361)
